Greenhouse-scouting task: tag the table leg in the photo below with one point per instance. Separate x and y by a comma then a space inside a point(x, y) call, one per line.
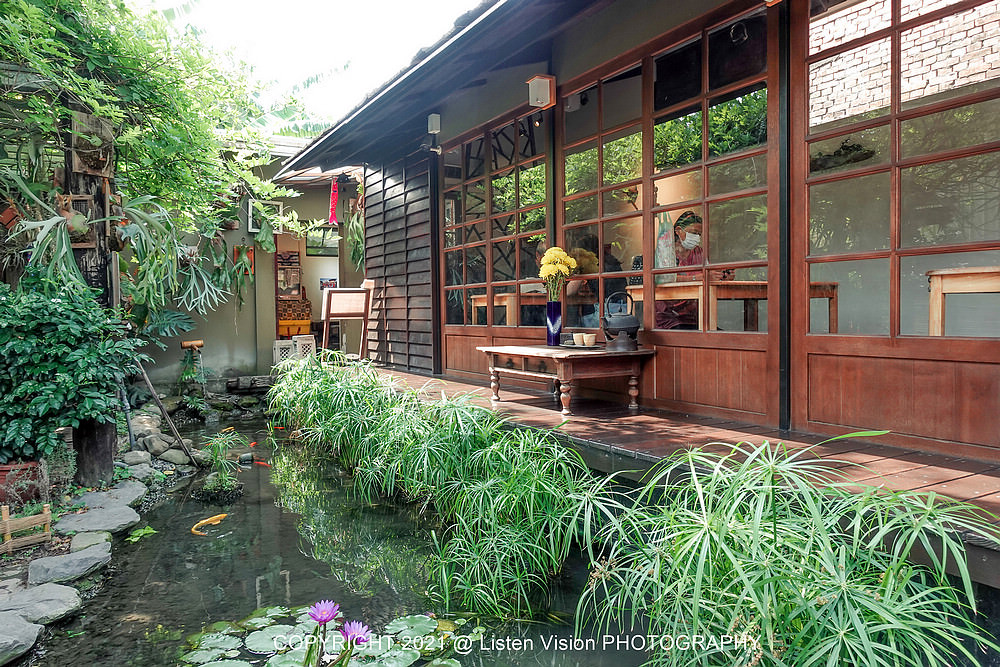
point(494, 384)
point(936, 307)
point(633, 392)
point(566, 388)
point(555, 389)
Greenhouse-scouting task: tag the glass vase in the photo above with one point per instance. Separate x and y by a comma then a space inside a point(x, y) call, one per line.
point(553, 322)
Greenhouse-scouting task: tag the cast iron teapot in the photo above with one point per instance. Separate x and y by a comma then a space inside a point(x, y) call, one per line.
point(620, 328)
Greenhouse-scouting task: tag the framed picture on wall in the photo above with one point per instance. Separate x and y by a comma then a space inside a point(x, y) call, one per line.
point(327, 283)
point(323, 242)
point(289, 284)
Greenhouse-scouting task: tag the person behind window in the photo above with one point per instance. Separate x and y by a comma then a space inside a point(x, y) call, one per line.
point(687, 250)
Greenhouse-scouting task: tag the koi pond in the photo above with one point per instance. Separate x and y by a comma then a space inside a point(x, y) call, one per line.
point(295, 537)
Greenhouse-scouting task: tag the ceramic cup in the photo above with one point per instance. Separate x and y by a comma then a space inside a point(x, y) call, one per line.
point(590, 339)
point(578, 338)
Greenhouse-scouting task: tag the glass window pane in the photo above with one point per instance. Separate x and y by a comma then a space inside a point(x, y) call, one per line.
point(622, 200)
point(913, 8)
point(632, 286)
point(475, 305)
point(475, 232)
point(850, 215)
point(622, 158)
point(851, 86)
point(503, 146)
point(741, 299)
point(622, 244)
point(581, 114)
point(452, 167)
point(737, 229)
point(475, 264)
point(582, 303)
point(848, 151)
point(452, 207)
point(532, 303)
point(737, 51)
point(678, 188)
point(861, 289)
point(503, 260)
point(531, 138)
point(581, 168)
point(531, 249)
point(750, 172)
point(678, 239)
point(974, 314)
point(453, 268)
point(737, 122)
point(531, 185)
point(504, 189)
point(954, 201)
point(475, 200)
point(622, 98)
point(677, 140)
point(847, 21)
point(454, 306)
point(451, 237)
point(475, 160)
point(504, 226)
point(533, 219)
point(951, 129)
point(584, 208)
point(583, 245)
point(678, 75)
point(957, 51)
point(504, 306)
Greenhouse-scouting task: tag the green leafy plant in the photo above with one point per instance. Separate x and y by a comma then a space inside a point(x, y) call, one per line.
point(64, 357)
point(218, 447)
point(777, 549)
point(140, 533)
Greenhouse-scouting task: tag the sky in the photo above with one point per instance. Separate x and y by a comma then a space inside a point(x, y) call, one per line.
point(360, 44)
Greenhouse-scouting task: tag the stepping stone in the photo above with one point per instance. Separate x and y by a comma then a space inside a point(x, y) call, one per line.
point(42, 604)
point(126, 492)
point(135, 458)
point(175, 456)
point(142, 471)
point(17, 636)
point(83, 541)
point(69, 567)
point(113, 519)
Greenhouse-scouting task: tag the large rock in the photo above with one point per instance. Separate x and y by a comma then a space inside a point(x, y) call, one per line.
point(176, 444)
point(126, 492)
point(157, 443)
point(17, 636)
point(200, 457)
point(69, 567)
point(83, 541)
point(42, 604)
point(175, 456)
point(114, 519)
point(142, 471)
point(135, 458)
point(172, 403)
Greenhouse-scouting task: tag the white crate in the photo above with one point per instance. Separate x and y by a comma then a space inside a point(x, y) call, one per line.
point(283, 350)
point(304, 346)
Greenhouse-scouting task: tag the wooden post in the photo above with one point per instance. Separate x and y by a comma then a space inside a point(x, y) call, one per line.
point(95, 444)
point(5, 519)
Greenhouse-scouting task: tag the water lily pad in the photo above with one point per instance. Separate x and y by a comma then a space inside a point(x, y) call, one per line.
point(444, 662)
point(398, 657)
point(290, 659)
point(444, 625)
point(202, 656)
point(224, 627)
point(269, 640)
point(409, 627)
point(306, 627)
point(376, 646)
point(257, 622)
point(219, 641)
point(228, 663)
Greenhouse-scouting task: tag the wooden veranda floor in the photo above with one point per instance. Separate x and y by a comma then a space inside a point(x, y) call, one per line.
point(612, 438)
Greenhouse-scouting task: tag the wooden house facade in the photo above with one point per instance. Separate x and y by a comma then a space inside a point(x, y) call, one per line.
point(801, 198)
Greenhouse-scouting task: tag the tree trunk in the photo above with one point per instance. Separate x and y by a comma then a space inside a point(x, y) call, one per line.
point(95, 446)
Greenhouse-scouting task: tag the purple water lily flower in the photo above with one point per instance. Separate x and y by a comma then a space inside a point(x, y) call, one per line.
point(324, 611)
point(356, 632)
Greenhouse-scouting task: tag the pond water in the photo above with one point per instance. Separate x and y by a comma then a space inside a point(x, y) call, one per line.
point(294, 537)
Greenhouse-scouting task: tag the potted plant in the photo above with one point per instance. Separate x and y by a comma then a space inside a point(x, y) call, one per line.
point(62, 359)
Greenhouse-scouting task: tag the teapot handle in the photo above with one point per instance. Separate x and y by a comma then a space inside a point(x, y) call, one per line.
point(631, 302)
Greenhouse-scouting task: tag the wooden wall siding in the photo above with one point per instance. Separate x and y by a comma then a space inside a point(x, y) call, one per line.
point(398, 250)
point(461, 354)
point(732, 380)
point(941, 400)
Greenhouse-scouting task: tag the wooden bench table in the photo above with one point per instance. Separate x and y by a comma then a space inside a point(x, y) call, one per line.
point(563, 366)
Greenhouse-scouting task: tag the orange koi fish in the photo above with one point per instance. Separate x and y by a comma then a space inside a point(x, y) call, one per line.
point(213, 520)
point(261, 463)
